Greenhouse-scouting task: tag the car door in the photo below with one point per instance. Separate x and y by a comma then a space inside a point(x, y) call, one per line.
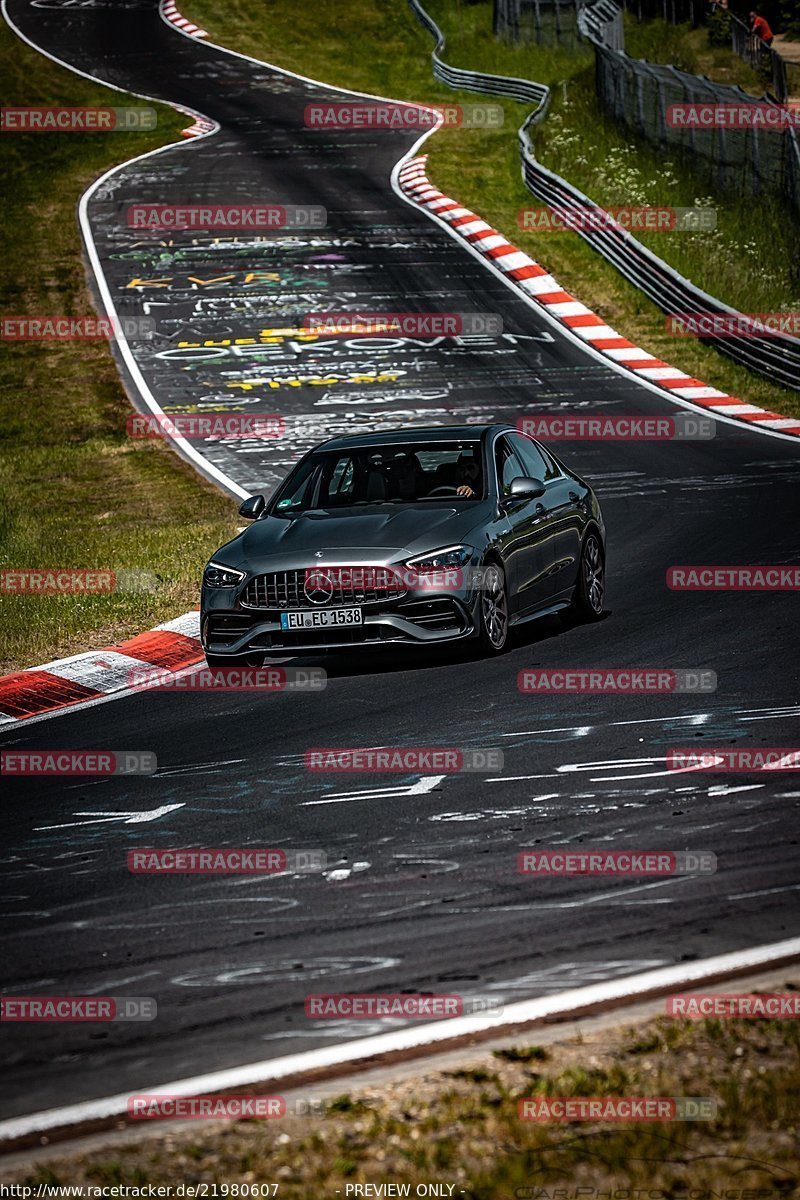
point(565, 517)
point(529, 547)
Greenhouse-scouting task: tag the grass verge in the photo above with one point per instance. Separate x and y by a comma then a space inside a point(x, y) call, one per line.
point(75, 491)
point(461, 1128)
point(690, 50)
point(752, 260)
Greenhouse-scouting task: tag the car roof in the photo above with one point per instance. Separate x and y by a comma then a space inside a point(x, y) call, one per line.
point(419, 434)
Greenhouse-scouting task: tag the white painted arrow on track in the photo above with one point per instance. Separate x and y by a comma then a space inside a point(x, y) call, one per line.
point(424, 785)
point(129, 818)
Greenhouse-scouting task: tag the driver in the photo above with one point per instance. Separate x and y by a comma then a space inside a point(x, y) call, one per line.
point(468, 476)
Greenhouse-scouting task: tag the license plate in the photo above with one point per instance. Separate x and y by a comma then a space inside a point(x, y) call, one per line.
point(322, 620)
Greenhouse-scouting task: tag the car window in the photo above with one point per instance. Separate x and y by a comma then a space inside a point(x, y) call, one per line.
point(296, 491)
point(394, 473)
point(509, 467)
point(537, 462)
point(338, 481)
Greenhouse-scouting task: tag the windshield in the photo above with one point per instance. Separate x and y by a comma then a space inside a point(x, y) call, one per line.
point(391, 474)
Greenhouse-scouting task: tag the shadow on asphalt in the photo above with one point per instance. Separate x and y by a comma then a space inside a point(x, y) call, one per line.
point(393, 659)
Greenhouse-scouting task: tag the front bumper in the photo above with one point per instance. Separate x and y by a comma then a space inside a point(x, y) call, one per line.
point(418, 618)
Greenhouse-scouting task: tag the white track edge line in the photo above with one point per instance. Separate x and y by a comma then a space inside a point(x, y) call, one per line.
point(206, 468)
point(562, 1005)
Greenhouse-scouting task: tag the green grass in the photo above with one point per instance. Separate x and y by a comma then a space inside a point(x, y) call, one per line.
point(75, 491)
point(461, 1128)
point(752, 261)
point(689, 50)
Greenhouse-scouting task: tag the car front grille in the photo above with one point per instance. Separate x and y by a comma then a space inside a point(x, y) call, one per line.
point(285, 589)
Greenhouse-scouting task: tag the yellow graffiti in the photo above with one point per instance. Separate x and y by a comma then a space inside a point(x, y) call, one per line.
point(266, 337)
point(249, 277)
point(164, 281)
point(316, 380)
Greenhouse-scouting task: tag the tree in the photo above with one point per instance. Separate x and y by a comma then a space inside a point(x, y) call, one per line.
point(788, 18)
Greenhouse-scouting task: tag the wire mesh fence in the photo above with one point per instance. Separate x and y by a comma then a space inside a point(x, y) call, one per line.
point(744, 143)
point(725, 29)
point(545, 22)
point(654, 101)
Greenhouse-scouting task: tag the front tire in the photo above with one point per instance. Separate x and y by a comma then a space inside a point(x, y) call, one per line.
point(587, 603)
point(493, 603)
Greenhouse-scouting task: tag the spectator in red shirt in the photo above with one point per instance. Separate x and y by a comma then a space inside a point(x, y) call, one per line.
point(760, 27)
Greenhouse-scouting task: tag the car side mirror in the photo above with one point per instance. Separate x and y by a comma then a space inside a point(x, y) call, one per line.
point(523, 488)
point(252, 507)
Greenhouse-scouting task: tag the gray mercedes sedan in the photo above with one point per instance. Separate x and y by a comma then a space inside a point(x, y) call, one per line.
point(406, 538)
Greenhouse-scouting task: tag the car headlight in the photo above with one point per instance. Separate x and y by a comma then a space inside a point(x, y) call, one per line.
point(215, 576)
point(448, 558)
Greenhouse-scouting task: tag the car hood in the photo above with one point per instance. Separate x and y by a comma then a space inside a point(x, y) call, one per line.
point(381, 533)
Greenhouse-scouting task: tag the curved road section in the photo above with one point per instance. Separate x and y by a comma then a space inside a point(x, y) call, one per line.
point(421, 890)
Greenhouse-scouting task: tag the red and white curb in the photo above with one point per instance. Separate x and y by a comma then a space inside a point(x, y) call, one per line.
point(199, 128)
point(534, 280)
point(170, 11)
point(99, 673)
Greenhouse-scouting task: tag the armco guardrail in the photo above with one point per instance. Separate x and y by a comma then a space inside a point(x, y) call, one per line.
point(602, 22)
point(523, 90)
point(776, 358)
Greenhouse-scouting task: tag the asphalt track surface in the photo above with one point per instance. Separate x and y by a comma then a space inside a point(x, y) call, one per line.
point(422, 893)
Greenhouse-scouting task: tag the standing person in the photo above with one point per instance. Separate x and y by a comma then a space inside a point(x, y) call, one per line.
point(760, 27)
